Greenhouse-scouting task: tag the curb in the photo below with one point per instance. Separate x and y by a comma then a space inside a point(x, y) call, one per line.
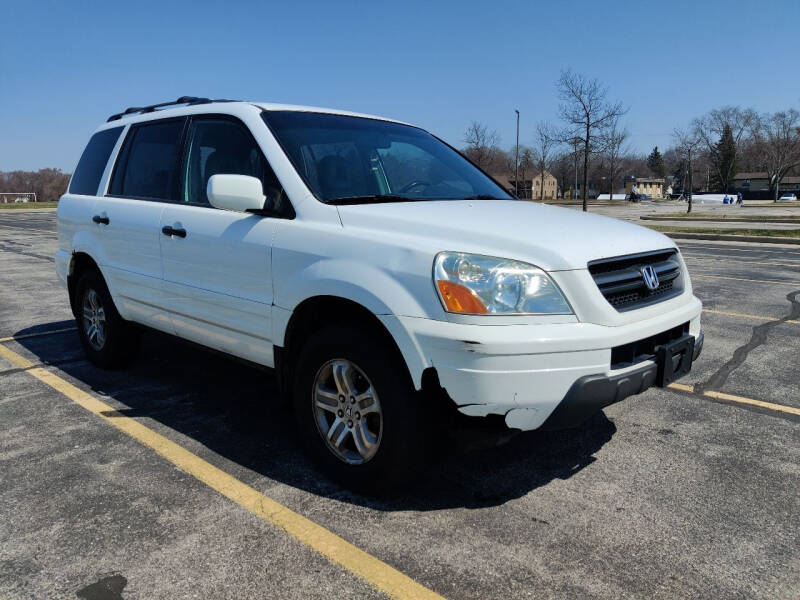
point(741, 219)
point(759, 239)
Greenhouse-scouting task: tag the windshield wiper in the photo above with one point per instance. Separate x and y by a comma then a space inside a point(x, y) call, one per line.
point(371, 199)
point(481, 197)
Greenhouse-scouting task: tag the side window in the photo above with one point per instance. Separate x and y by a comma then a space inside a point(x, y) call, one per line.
point(148, 164)
point(93, 162)
point(223, 146)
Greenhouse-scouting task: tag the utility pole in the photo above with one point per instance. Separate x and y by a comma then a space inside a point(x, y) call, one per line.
point(690, 180)
point(516, 160)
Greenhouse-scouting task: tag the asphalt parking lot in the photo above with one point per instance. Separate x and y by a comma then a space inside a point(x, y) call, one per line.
point(688, 492)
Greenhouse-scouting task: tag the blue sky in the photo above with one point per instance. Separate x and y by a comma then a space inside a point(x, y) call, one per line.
point(66, 65)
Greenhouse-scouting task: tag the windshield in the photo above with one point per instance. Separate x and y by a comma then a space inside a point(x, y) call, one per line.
point(359, 160)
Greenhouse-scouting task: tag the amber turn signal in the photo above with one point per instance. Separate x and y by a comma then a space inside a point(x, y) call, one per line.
point(460, 299)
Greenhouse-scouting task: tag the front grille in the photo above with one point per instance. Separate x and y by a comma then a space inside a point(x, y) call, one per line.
point(622, 283)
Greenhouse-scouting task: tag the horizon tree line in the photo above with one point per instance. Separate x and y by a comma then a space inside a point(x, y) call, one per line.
point(591, 145)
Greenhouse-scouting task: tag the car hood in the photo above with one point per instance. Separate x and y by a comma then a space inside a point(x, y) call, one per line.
point(551, 237)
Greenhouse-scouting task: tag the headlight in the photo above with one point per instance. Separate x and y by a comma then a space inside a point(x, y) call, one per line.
point(480, 285)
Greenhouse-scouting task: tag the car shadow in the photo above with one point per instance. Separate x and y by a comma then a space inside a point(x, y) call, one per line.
point(234, 410)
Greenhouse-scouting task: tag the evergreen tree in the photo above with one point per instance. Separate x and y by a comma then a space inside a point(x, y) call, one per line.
point(724, 158)
point(655, 162)
point(680, 175)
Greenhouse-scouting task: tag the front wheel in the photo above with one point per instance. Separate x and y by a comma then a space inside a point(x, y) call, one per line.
point(357, 411)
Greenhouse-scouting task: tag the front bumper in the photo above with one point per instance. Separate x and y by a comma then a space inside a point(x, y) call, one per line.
point(592, 393)
point(524, 372)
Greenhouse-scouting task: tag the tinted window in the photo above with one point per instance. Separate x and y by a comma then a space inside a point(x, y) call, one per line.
point(93, 162)
point(346, 158)
point(148, 165)
point(223, 146)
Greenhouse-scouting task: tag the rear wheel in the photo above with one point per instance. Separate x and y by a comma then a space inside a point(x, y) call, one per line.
point(108, 340)
point(357, 411)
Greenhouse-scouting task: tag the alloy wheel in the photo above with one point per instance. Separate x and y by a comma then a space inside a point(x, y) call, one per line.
point(347, 411)
point(94, 319)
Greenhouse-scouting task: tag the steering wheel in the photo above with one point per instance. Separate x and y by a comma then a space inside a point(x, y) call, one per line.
point(411, 185)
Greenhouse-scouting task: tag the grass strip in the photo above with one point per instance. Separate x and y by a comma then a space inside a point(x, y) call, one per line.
point(27, 205)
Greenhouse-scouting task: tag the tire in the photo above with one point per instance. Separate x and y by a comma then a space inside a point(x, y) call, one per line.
point(113, 342)
point(377, 376)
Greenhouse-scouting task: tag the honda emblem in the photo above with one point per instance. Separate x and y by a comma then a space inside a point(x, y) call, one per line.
point(650, 277)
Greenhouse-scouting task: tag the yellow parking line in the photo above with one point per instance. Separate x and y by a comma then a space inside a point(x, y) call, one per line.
point(377, 573)
point(30, 335)
point(740, 399)
point(791, 283)
point(743, 316)
point(682, 387)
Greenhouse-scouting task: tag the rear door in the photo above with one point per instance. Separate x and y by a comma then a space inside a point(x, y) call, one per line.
point(144, 180)
point(217, 268)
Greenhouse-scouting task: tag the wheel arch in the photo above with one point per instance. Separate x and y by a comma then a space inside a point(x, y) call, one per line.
point(79, 263)
point(318, 312)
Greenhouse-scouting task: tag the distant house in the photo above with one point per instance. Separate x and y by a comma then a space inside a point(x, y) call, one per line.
point(651, 186)
point(530, 184)
point(755, 184)
point(550, 186)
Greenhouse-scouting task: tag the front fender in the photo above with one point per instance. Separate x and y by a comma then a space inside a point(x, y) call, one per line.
point(374, 288)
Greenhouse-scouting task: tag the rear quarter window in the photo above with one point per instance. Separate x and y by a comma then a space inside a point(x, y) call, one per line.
point(93, 162)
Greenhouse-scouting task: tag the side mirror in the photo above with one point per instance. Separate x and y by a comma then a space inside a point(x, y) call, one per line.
point(235, 192)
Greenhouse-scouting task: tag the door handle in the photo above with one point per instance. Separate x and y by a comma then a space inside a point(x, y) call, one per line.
point(167, 230)
point(98, 219)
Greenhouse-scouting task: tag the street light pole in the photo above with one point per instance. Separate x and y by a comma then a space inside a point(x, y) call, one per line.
point(516, 161)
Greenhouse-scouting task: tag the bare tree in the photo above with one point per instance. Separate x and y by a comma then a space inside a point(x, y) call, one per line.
point(687, 141)
point(721, 132)
point(481, 144)
point(575, 143)
point(586, 111)
point(526, 163)
point(613, 140)
point(562, 171)
point(47, 184)
point(545, 145)
point(777, 145)
point(514, 168)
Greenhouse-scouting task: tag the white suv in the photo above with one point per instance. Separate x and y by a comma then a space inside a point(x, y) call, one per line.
point(380, 273)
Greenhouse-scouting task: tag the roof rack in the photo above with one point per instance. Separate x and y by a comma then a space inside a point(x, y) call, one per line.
point(188, 100)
